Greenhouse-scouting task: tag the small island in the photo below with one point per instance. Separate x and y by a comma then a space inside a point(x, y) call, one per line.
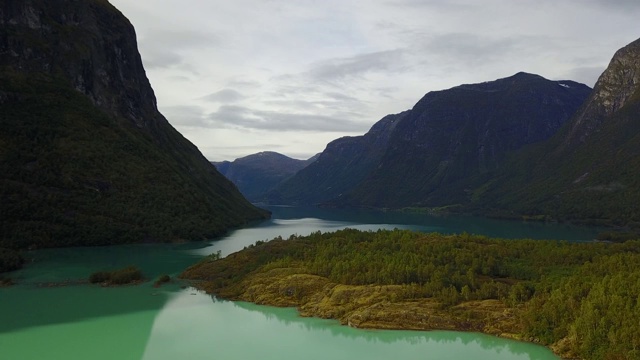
point(579, 299)
point(124, 276)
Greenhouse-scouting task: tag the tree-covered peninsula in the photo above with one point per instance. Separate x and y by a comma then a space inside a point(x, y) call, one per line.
point(580, 299)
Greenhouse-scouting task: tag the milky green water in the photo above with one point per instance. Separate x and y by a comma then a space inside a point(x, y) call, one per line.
point(52, 314)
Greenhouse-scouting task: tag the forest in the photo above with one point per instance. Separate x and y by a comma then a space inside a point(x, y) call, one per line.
point(581, 299)
point(10, 260)
point(59, 186)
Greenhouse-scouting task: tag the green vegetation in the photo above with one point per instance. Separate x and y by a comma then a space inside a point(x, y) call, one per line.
point(587, 172)
point(85, 156)
point(581, 299)
point(617, 236)
point(591, 183)
point(127, 275)
point(162, 280)
point(10, 260)
point(72, 175)
point(593, 313)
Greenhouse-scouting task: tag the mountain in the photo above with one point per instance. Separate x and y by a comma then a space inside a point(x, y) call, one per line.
point(432, 155)
point(85, 156)
point(340, 167)
point(588, 171)
point(256, 174)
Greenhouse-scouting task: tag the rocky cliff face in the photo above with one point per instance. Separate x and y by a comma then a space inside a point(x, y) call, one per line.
point(341, 166)
point(87, 42)
point(85, 156)
point(617, 84)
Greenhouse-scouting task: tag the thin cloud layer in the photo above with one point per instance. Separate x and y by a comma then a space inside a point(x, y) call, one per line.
point(168, 48)
point(388, 61)
point(232, 116)
point(224, 96)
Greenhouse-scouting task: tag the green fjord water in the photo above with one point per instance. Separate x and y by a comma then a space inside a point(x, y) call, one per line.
point(53, 314)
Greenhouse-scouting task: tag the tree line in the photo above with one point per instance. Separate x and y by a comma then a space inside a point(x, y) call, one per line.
point(583, 295)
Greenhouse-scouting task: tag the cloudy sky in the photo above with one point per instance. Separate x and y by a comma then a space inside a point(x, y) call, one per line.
point(243, 76)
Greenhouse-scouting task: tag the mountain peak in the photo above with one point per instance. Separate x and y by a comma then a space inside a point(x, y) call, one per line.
point(522, 80)
point(524, 75)
point(256, 174)
point(587, 172)
point(431, 154)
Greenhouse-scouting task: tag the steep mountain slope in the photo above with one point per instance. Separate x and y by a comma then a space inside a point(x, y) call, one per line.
point(342, 165)
point(453, 138)
point(256, 174)
point(433, 154)
point(588, 171)
point(85, 156)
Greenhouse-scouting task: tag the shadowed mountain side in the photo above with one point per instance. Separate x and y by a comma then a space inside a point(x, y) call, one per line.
point(432, 155)
point(588, 171)
point(85, 156)
point(341, 166)
point(452, 139)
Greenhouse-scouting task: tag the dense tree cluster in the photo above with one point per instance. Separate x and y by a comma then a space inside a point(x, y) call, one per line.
point(73, 175)
point(10, 260)
point(583, 294)
point(597, 308)
point(122, 276)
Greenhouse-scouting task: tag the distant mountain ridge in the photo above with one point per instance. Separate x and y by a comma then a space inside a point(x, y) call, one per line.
point(342, 165)
point(433, 154)
point(85, 156)
point(256, 174)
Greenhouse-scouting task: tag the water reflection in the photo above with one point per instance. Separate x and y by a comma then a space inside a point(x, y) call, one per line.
point(238, 239)
point(413, 338)
point(207, 329)
point(77, 322)
point(286, 221)
point(444, 223)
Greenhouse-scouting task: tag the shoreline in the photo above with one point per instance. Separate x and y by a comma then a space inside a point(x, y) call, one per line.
point(368, 306)
point(530, 290)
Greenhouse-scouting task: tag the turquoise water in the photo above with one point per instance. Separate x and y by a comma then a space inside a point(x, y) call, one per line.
point(53, 314)
point(303, 221)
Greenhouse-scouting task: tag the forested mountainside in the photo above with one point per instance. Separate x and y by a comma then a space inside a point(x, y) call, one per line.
point(85, 156)
point(588, 171)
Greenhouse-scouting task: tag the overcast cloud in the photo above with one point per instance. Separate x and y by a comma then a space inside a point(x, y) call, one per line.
point(239, 77)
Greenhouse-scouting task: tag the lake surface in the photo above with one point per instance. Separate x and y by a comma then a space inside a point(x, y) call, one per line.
point(52, 314)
